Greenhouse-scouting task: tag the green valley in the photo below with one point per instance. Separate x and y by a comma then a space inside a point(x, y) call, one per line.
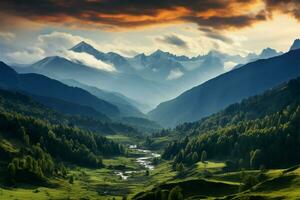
point(46, 158)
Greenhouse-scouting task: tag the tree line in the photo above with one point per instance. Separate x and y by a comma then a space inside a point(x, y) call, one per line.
point(262, 131)
point(11, 101)
point(43, 147)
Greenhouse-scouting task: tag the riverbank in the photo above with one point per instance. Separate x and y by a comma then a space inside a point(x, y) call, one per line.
point(145, 162)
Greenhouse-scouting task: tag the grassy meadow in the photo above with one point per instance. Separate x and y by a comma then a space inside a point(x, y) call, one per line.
point(105, 184)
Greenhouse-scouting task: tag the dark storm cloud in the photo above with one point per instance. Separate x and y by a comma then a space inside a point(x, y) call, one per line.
point(124, 13)
point(131, 7)
point(214, 14)
point(291, 7)
point(173, 40)
point(223, 22)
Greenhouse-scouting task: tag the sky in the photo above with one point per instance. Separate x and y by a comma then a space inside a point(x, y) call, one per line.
point(33, 29)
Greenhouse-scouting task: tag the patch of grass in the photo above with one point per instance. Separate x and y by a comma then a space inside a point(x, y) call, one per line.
point(116, 161)
point(198, 187)
point(211, 166)
point(123, 139)
point(161, 143)
point(105, 184)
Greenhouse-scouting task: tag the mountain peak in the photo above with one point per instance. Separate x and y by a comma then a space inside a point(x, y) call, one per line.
point(2, 64)
point(159, 52)
point(141, 55)
point(83, 47)
point(214, 53)
point(82, 44)
point(52, 60)
point(6, 72)
point(295, 45)
point(267, 52)
point(6, 68)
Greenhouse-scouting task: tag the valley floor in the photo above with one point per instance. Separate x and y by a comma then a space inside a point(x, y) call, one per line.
point(105, 184)
point(201, 181)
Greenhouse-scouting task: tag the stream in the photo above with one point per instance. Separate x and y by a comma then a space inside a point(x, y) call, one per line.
point(145, 162)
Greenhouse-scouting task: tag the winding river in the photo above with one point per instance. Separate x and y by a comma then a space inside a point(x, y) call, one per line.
point(145, 162)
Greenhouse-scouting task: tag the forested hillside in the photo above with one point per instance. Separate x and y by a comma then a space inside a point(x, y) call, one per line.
point(12, 101)
point(34, 149)
point(262, 131)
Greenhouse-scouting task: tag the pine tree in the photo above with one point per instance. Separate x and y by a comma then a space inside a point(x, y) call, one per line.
point(147, 173)
point(256, 158)
point(175, 194)
point(11, 170)
point(180, 167)
point(29, 163)
point(71, 179)
point(203, 156)
point(195, 157)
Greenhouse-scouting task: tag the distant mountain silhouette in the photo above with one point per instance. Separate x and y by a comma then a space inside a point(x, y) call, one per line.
point(125, 107)
point(149, 79)
point(132, 85)
point(268, 53)
point(69, 108)
point(295, 45)
point(160, 65)
point(119, 62)
point(39, 85)
point(85, 47)
point(56, 66)
point(228, 88)
point(160, 53)
point(157, 66)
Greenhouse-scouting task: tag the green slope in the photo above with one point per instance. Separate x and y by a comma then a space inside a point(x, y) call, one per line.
point(11, 101)
point(262, 130)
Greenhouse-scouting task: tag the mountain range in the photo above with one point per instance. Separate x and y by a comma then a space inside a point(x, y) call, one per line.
point(147, 79)
point(231, 87)
point(127, 106)
point(133, 86)
point(55, 93)
point(76, 99)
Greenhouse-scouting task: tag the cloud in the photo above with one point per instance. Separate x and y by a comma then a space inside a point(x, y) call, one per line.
point(57, 44)
point(88, 60)
point(291, 7)
point(227, 22)
point(175, 74)
point(26, 56)
point(7, 36)
point(6, 39)
point(216, 35)
point(126, 52)
point(58, 41)
point(173, 40)
point(229, 65)
point(124, 14)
